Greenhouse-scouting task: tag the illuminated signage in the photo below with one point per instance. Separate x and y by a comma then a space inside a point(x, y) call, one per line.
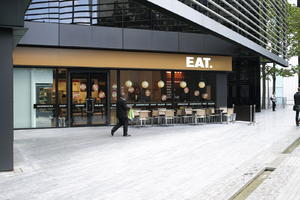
point(198, 62)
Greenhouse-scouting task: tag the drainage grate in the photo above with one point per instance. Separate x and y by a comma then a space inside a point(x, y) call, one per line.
point(292, 147)
point(245, 192)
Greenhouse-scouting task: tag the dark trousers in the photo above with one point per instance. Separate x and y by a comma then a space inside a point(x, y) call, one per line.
point(273, 106)
point(122, 122)
point(297, 117)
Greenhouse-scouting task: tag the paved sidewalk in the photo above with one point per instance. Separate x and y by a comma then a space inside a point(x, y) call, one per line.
point(284, 182)
point(169, 163)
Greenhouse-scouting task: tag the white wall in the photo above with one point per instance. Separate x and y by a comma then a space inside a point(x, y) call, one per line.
point(22, 98)
point(25, 81)
point(291, 84)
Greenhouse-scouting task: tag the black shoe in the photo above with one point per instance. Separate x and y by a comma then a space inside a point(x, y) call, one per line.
point(297, 124)
point(112, 133)
point(126, 135)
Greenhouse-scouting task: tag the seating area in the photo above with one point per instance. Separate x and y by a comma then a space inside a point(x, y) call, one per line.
point(184, 115)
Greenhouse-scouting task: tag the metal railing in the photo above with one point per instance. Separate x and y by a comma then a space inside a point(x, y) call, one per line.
point(263, 22)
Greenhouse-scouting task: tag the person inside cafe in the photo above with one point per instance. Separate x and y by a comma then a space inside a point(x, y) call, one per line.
point(147, 96)
point(185, 95)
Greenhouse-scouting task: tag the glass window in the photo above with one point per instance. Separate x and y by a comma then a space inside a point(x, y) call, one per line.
point(62, 97)
point(146, 86)
point(191, 86)
point(34, 98)
point(116, 13)
point(113, 96)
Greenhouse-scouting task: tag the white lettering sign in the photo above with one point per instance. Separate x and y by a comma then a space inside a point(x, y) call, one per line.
point(199, 62)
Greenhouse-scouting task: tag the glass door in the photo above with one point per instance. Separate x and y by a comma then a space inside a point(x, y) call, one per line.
point(98, 98)
point(88, 98)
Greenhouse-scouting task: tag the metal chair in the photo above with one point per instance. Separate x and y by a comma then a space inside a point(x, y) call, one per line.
point(168, 118)
point(187, 115)
point(212, 116)
point(230, 115)
point(156, 118)
point(200, 115)
point(143, 118)
point(178, 116)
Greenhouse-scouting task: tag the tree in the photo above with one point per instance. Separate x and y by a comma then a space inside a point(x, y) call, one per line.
point(293, 49)
point(272, 72)
point(293, 32)
point(293, 35)
point(264, 78)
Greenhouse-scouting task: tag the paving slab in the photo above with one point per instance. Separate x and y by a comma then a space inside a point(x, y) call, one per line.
point(159, 163)
point(284, 182)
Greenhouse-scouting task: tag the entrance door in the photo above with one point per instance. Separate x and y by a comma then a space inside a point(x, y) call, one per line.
point(88, 98)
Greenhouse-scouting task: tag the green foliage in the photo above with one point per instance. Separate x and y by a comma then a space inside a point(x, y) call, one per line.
point(272, 71)
point(293, 32)
point(295, 69)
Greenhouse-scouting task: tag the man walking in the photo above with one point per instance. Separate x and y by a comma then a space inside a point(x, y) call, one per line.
point(122, 115)
point(297, 105)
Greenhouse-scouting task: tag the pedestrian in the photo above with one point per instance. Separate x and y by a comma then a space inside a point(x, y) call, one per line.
point(297, 105)
point(122, 115)
point(273, 100)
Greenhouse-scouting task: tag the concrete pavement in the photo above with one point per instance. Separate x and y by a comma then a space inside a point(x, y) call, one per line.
point(161, 163)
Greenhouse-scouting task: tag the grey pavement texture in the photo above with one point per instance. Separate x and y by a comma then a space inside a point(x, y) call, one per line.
point(204, 162)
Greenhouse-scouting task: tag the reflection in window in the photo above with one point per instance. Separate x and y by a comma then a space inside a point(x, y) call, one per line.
point(62, 112)
point(146, 86)
point(113, 96)
point(35, 100)
point(112, 13)
point(193, 86)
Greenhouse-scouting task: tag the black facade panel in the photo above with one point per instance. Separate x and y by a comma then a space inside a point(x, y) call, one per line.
point(190, 42)
point(205, 44)
point(12, 12)
point(65, 35)
point(150, 40)
point(137, 39)
point(41, 34)
point(6, 103)
point(244, 82)
point(164, 41)
point(221, 90)
point(106, 37)
point(76, 36)
point(88, 36)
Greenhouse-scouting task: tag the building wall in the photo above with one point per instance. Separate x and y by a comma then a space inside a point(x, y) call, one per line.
point(6, 103)
point(66, 35)
point(12, 13)
point(290, 84)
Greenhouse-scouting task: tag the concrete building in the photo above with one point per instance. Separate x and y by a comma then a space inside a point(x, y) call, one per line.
point(78, 56)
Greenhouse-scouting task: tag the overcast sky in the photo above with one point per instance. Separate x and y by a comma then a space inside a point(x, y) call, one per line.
point(293, 1)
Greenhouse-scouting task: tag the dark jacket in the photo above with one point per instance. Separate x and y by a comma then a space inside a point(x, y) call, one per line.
point(297, 101)
point(122, 109)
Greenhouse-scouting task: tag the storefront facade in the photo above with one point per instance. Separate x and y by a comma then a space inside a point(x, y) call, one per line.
point(55, 87)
